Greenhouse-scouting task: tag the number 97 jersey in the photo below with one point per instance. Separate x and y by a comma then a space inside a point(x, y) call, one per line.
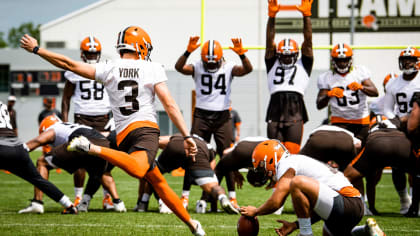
point(89, 97)
point(213, 89)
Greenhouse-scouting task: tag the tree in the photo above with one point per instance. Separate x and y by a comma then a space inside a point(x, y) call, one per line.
point(16, 33)
point(3, 43)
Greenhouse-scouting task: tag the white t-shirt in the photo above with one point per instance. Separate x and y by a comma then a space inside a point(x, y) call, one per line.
point(294, 79)
point(353, 105)
point(90, 97)
point(130, 86)
point(213, 89)
point(309, 167)
point(399, 93)
point(63, 131)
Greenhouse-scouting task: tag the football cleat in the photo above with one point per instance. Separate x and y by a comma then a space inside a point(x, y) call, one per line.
point(79, 144)
point(373, 228)
point(227, 206)
point(234, 202)
point(107, 203)
point(200, 206)
point(34, 207)
point(141, 206)
point(77, 201)
point(198, 231)
point(404, 205)
point(83, 206)
point(120, 207)
point(163, 208)
point(71, 210)
point(184, 201)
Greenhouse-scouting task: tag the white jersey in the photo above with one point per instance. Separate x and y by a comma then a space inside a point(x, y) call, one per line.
point(213, 89)
point(399, 93)
point(130, 85)
point(353, 105)
point(63, 131)
point(377, 105)
point(294, 79)
point(337, 129)
point(309, 167)
point(90, 97)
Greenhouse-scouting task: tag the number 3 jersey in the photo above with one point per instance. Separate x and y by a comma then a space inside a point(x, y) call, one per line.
point(213, 89)
point(399, 95)
point(130, 86)
point(353, 107)
point(89, 98)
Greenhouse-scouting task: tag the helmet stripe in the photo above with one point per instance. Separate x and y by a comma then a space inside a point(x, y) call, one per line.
point(210, 50)
point(122, 35)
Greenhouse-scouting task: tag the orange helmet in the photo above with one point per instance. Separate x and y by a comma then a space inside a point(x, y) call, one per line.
point(211, 55)
point(287, 52)
point(409, 60)
point(341, 55)
point(388, 77)
point(47, 122)
point(267, 155)
point(90, 49)
point(135, 39)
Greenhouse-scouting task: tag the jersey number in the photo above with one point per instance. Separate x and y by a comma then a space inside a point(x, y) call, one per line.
point(280, 73)
point(403, 105)
point(130, 98)
point(4, 117)
point(342, 102)
point(98, 93)
point(207, 81)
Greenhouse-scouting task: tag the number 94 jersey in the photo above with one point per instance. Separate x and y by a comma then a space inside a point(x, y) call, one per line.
point(89, 97)
point(213, 89)
point(353, 106)
point(131, 88)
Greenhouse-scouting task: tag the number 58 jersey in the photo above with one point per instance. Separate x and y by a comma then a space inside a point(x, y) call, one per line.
point(353, 106)
point(130, 86)
point(213, 89)
point(89, 98)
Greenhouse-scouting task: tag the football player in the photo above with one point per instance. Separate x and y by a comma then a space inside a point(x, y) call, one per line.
point(91, 105)
point(58, 135)
point(318, 191)
point(15, 158)
point(213, 77)
point(346, 88)
point(132, 82)
point(288, 78)
point(377, 106)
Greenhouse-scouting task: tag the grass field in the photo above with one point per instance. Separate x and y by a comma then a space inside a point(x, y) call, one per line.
point(14, 195)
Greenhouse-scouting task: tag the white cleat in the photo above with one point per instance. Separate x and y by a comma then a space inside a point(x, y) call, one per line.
point(404, 205)
point(228, 206)
point(79, 144)
point(120, 207)
point(34, 207)
point(198, 231)
point(373, 228)
point(163, 208)
point(83, 206)
point(201, 206)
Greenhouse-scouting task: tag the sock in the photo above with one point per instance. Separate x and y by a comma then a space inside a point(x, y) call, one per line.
point(411, 192)
point(65, 201)
point(403, 194)
point(78, 192)
point(145, 197)
point(221, 196)
point(86, 198)
point(186, 193)
point(232, 194)
point(106, 193)
point(305, 226)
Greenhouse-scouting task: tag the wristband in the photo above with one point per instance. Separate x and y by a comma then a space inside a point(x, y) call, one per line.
point(187, 54)
point(242, 56)
point(187, 137)
point(35, 50)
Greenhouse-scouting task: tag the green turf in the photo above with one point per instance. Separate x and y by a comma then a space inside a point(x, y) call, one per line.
point(14, 195)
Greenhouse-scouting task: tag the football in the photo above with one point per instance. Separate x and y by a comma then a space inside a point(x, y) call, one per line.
point(248, 226)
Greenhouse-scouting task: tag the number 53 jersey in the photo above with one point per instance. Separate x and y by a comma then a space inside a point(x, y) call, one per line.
point(213, 89)
point(353, 106)
point(89, 97)
point(130, 86)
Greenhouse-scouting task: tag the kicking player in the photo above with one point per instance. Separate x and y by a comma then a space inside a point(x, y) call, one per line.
point(15, 158)
point(132, 82)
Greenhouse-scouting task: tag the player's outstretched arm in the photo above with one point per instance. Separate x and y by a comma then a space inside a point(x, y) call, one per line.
point(176, 117)
point(270, 46)
point(180, 65)
point(305, 9)
point(246, 66)
point(30, 44)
